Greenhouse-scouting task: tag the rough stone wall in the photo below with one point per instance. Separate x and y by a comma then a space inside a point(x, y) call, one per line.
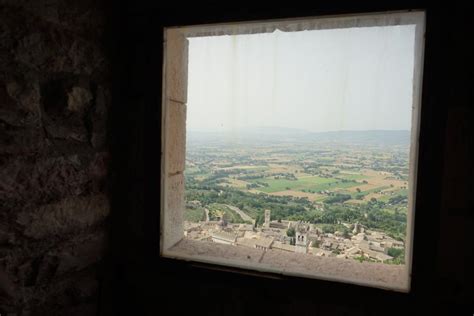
point(54, 99)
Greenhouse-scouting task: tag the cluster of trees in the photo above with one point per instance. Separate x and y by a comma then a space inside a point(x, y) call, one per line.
point(291, 232)
point(252, 176)
point(253, 204)
point(374, 214)
point(286, 176)
point(257, 184)
point(311, 170)
point(346, 180)
point(215, 179)
point(398, 170)
point(398, 255)
point(332, 228)
point(195, 214)
point(338, 198)
point(399, 199)
point(259, 220)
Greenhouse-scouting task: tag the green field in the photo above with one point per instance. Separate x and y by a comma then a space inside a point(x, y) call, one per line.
point(374, 190)
point(348, 176)
point(244, 167)
point(313, 183)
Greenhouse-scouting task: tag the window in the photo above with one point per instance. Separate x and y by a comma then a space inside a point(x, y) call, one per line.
point(290, 146)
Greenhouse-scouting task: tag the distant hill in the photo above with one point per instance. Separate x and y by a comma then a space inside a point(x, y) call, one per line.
point(381, 137)
point(277, 135)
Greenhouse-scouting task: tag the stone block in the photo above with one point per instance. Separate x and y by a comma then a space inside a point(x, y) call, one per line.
point(176, 66)
point(81, 255)
point(78, 99)
point(46, 179)
point(175, 133)
point(173, 215)
point(20, 118)
point(66, 216)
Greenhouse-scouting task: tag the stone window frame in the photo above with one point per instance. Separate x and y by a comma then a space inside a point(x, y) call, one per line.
point(173, 137)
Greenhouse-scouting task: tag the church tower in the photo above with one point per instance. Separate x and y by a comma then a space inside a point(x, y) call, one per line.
point(266, 224)
point(301, 242)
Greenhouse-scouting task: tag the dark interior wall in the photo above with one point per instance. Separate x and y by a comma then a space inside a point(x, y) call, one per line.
point(147, 285)
point(54, 97)
point(72, 71)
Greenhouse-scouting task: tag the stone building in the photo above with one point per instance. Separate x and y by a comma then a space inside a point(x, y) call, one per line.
point(222, 237)
point(301, 241)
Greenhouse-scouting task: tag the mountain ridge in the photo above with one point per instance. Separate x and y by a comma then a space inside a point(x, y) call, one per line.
point(274, 135)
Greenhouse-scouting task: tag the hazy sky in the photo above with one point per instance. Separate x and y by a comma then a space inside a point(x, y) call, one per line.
point(324, 80)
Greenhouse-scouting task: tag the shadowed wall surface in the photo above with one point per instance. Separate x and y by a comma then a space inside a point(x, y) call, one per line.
point(54, 98)
point(80, 103)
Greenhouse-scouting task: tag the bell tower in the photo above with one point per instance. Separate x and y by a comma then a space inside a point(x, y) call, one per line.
point(301, 242)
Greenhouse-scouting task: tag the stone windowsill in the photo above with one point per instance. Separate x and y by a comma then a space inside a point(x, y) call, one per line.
point(385, 276)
